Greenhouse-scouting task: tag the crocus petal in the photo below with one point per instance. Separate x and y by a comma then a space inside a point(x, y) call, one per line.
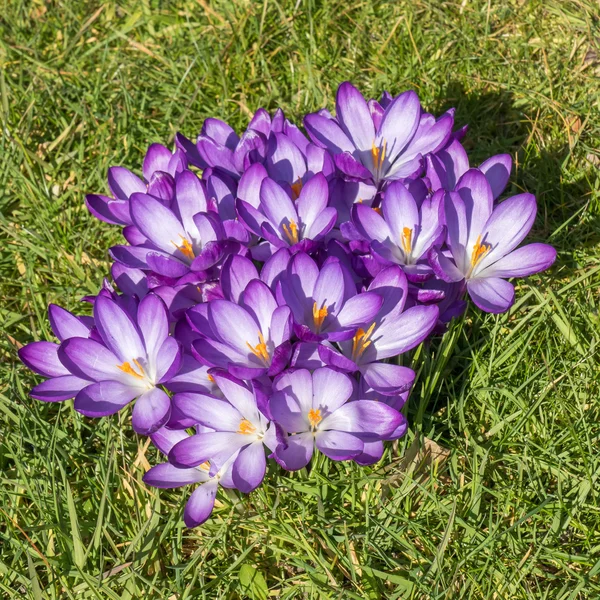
point(372, 453)
point(153, 323)
point(330, 389)
point(250, 183)
point(492, 294)
point(89, 359)
point(497, 171)
point(333, 358)
point(277, 205)
point(215, 446)
point(326, 133)
point(157, 159)
point(222, 314)
point(360, 309)
point(305, 355)
point(117, 330)
point(405, 332)
point(162, 186)
point(388, 380)
point(123, 183)
point(42, 358)
point(115, 212)
point(399, 124)
point(237, 394)
point(364, 417)
point(211, 412)
point(370, 224)
point(522, 262)
point(258, 300)
point(284, 161)
point(220, 132)
point(58, 388)
point(476, 193)
point(320, 227)
point(249, 467)
point(510, 222)
point(275, 267)
point(297, 453)
point(338, 445)
point(65, 324)
point(190, 198)
point(237, 272)
point(200, 504)
point(165, 475)
point(150, 411)
point(164, 439)
point(312, 200)
point(167, 266)
point(354, 117)
point(348, 165)
point(104, 398)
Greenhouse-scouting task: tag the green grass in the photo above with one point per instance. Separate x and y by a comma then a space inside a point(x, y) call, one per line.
point(509, 506)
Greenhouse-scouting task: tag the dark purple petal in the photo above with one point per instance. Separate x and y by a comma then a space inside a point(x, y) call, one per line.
point(157, 159)
point(42, 358)
point(165, 475)
point(497, 171)
point(249, 468)
point(200, 505)
point(297, 453)
point(166, 265)
point(89, 359)
point(372, 453)
point(388, 380)
point(123, 183)
point(326, 133)
point(348, 165)
point(58, 388)
point(333, 358)
point(115, 212)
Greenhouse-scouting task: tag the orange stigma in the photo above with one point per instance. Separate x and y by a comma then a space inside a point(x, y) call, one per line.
point(378, 211)
point(378, 155)
point(296, 188)
point(479, 251)
point(127, 368)
point(246, 427)
point(185, 248)
point(361, 341)
point(314, 417)
point(210, 378)
point(291, 232)
point(319, 315)
point(260, 350)
point(406, 240)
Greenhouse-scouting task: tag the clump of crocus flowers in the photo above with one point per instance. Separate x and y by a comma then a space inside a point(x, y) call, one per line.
point(269, 281)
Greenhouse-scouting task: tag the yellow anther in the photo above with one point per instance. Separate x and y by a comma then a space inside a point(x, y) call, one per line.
point(185, 248)
point(314, 417)
point(361, 341)
point(205, 466)
point(296, 188)
point(479, 251)
point(210, 378)
point(246, 427)
point(127, 368)
point(378, 210)
point(319, 315)
point(407, 239)
point(378, 154)
point(291, 232)
point(260, 350)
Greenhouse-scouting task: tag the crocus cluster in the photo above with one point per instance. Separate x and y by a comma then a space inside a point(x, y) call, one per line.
point(268, 282)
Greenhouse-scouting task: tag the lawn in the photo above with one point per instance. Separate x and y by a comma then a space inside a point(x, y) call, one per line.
point(494, 491)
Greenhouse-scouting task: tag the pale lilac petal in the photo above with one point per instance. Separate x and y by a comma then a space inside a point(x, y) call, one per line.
point(162, 187)
point(104, 398)
point(329, 288)
point(153, 322)
point(326, 133)
point(522, 262)
point(157, 159)
point(42, 358)
point(476, 193)
point(249, 467)
point(296, 388)
point(237, 272)
point(250, 183)
point(284, 160)
point(497, 171)
point(306, 356)
point(363, 417)
point(215, 446)
point(164, 439)
point(322, 225)
point(200, 505)
point(212, 412)
point(117, 330)
point(330, 389)
point(238, 395)
point(399, 124)
point(220, 132)
point(492, 294)
point(400, 211)
point(65, 324)
point(165, 475)
point(258, 300)
point(458, 230)
point(166, 266)
point(150, 411)
point(123, 183)
point(312, 200)
point(370, 224)
point(223, 189)
point(168, 360)
point(222, 314)
point(277, 205)
point(192, 377)
point(354, 116)
point(338, 445)
point(190, 198)
point(59, 388)
point(275, 267)
point(387, 379)
point(429, 137)
point(89, 359)
point(360, 310)
point(298, 452)
point(390, 283)
point(443, 267)
point(281, 325)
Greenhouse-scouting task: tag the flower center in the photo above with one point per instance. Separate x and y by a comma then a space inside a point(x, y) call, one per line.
point(479, 251)
point(127, 368)
point(185, 248)
point(406, 240)
point(296, 188)
point(246, 427)
point(319, 315)
point(314, 417)
point(361, 342)
point(378, 155)
point(291, 232)
point(260, 350)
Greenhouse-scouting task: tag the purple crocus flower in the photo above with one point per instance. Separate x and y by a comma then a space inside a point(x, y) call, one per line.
point(393, 331)
point(239, 427)
point(404, 228)
point(159, 169)
point(314, 410)
point(249, 339)
point(175, 241)
point(324, 302)
point(200, 504)
point(482, 241)
point(126, 359)
point(378, 146)
point(284, 223)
